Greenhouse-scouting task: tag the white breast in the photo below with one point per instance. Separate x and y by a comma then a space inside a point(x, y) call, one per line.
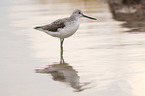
point(69, 29)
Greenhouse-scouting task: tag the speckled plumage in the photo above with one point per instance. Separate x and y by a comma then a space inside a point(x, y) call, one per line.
point(54, 26)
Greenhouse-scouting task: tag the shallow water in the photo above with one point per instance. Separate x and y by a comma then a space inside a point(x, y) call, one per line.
point(102, 59)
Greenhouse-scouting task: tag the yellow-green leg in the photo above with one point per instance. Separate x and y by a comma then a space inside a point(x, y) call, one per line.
point(61, 51)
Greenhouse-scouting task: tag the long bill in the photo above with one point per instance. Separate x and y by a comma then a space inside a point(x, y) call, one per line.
point(89, 17)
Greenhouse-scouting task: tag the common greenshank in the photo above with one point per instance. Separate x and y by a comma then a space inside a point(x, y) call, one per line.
point(63, 28)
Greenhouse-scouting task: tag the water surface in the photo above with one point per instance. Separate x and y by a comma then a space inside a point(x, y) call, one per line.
point(102, 59)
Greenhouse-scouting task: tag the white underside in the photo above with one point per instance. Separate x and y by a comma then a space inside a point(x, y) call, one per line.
point(65, 32)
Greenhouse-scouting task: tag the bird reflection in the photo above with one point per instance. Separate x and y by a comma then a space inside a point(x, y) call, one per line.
point(65, 73)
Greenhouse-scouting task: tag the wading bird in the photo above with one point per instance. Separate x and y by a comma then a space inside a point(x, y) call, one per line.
point(63, 28)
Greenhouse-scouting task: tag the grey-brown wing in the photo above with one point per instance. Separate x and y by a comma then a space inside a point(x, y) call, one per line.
point(54, 26)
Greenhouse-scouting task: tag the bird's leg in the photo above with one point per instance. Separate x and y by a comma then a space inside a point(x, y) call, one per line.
point(61, 51)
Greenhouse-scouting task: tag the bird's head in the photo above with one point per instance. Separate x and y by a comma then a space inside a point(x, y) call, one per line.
point(78, 14)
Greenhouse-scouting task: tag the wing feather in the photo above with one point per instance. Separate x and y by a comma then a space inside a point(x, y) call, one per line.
point(54, 26)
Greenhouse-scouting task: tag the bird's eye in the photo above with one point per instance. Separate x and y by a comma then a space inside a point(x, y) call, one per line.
point(79, 12)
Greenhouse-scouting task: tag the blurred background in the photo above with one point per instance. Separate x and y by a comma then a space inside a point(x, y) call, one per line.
point(103, 58)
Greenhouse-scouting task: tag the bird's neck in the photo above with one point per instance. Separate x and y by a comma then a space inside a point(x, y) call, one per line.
point(73, 17)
